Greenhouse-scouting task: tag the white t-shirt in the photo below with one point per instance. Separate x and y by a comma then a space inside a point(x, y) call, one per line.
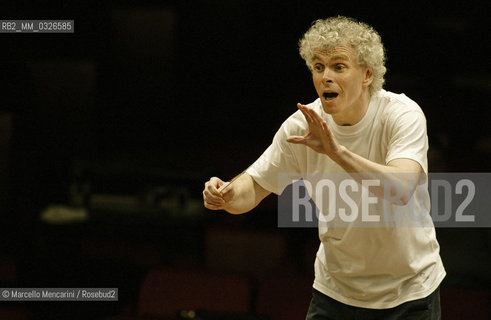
point(370, 267)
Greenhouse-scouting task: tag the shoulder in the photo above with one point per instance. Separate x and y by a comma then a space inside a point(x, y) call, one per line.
point(394, 106)
point(395, 102)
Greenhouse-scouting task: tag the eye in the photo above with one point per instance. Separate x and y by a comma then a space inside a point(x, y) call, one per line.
point(318, 67)
point(339, 67)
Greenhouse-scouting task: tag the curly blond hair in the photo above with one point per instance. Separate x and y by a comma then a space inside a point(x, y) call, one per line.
point(325, 35)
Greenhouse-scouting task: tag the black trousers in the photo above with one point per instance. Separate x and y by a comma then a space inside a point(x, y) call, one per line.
point(323, 307)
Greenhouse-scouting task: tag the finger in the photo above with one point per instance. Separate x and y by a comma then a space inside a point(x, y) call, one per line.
point(315, 115)
point(325, 128)
point(211, 191)
point(307, 116)
point(211, 194)
point(304, 110)
point(213, 206)
point(316, 118)
point(296, 139)
point(212, 198)
point(213, 185)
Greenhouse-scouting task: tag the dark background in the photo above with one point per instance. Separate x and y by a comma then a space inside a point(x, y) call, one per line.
point(148, 99)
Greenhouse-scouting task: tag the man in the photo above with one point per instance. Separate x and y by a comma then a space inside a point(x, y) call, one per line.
point(354, 127)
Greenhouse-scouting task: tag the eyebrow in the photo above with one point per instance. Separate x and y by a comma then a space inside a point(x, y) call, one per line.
point(316, 57)
point(335, 58)
point(340, 57)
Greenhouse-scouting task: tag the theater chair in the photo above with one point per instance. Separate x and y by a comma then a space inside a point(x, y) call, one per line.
point(165, 292)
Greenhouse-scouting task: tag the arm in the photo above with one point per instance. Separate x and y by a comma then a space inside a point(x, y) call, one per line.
point(405, 172)
point(241, 196)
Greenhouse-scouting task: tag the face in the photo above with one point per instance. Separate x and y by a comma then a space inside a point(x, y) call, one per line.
point(342, 84)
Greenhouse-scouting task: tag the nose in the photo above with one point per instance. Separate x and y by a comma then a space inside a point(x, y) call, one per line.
point(327, 76)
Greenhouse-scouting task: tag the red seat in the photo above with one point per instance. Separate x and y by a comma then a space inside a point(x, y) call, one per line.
point(13, 314)
point(284, 298)
point(164, 292)
point(8, 270)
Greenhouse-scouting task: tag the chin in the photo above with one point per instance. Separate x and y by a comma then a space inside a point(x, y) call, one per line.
point(329, 108)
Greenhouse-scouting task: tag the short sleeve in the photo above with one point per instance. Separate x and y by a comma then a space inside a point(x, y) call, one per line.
point(408, 138)
point(277, 167)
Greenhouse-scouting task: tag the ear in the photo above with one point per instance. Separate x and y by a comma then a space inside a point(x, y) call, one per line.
point(368, 79)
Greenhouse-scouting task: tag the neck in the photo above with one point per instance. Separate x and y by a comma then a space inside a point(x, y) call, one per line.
point(354, 113)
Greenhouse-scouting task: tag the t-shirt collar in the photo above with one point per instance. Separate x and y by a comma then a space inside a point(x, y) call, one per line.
point(357, 127)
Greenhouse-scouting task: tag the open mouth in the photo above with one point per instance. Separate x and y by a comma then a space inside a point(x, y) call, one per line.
point(330, 95)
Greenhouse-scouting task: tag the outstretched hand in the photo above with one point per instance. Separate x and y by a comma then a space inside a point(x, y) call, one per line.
point(319, 137)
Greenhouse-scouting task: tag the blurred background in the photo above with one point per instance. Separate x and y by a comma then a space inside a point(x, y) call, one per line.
point(107, 136)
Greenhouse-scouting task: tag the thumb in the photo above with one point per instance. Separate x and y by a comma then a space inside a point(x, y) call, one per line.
point(298, 139)
point(216, 183)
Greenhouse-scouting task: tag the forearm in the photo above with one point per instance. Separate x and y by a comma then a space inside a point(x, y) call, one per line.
point(245, 195)
point(399, 177)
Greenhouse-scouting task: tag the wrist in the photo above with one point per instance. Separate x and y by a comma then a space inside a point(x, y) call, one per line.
point(339, 154)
